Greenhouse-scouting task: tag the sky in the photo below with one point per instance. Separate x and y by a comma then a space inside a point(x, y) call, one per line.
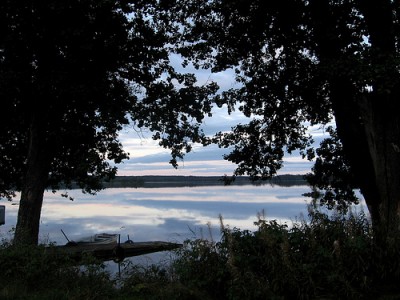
point(148, 158)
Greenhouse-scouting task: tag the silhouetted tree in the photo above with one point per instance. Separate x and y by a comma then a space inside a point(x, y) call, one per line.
point(72, 74)
point(308, 62)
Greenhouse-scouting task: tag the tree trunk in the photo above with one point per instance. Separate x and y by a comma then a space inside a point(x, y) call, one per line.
point(380, 114)
point(350, 128)
point(370, 132)
point(27, 228)
point(382, 127)
point(368, 127)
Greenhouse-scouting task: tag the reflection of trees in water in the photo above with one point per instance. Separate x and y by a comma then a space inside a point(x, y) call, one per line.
point(192, 181)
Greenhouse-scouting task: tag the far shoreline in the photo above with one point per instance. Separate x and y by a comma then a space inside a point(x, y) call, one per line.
point(153, 181)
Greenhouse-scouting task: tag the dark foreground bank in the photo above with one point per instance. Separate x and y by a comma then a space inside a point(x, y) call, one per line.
point(328, 257)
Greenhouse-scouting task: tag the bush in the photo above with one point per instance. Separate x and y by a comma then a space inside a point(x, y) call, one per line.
point(31, 273)
point(324, 257)
point(329, 256)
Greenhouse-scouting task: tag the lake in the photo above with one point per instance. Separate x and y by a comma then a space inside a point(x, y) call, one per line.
point(167, 214)
point(171, 214)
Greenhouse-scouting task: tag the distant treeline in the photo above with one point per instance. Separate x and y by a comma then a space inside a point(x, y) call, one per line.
point(188, 181)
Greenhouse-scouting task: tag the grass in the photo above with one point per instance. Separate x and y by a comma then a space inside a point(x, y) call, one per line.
point(326, 257)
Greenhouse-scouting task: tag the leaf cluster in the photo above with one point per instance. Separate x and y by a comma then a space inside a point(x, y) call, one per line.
point(73, 74)
point(291, 59)
point(332, 175)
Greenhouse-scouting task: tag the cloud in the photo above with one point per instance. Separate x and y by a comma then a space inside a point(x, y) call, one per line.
point(186, 168)
point(225, 79)
point(202, 161)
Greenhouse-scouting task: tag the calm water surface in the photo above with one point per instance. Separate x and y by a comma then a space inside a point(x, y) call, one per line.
point(167, 214)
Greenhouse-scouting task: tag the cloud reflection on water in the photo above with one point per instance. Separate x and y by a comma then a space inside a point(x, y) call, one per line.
point(169, 214)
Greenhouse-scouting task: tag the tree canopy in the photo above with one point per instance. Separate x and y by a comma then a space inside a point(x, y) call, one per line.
point(74, 73)
point(308, 62)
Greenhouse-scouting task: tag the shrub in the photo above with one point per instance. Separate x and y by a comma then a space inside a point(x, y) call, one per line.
point(329, 256)
point(30, 272)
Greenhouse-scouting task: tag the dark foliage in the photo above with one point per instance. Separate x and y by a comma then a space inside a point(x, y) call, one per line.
point(72, 75)
point(329, 257)
point(325, 256)
point(83, 79)
point(300, 63)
